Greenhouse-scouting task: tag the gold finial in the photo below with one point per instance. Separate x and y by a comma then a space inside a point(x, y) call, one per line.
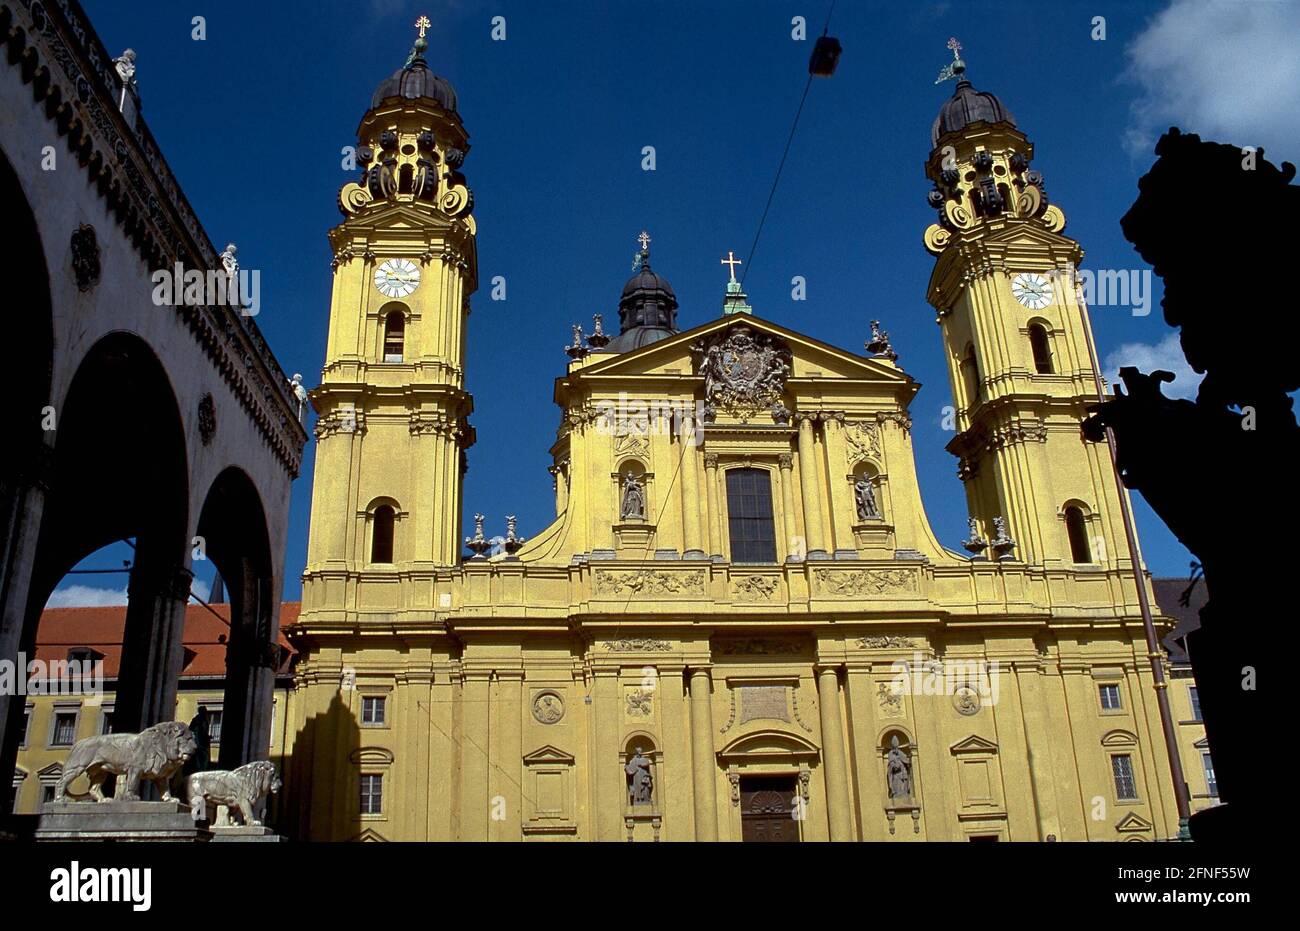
point(952, 44)
point(644, 239)
point(422, 24)
point(731, 261)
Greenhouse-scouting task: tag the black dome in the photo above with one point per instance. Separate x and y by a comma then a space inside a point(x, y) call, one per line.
point(647, 311)
point(413, 82)
point(966, 106)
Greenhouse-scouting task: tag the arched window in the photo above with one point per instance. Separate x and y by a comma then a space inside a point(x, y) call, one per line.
point(1077, 530)
point(749, 516)
point(1042, 349)
point(381, 534)
point(970, 372)
point(394, 336)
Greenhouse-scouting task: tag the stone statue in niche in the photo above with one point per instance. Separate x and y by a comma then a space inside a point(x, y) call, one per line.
point(633, 507)
point(898, 772)
point(865, 497)
point(640, 783)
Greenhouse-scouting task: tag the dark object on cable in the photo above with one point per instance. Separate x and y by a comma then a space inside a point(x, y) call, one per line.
point(825, 56)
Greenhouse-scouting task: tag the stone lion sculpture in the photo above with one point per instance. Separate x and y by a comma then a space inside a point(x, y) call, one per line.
point(155, 754)
point(241, 788)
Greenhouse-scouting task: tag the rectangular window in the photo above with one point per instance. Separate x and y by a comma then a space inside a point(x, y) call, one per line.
point(17, 796)
point(106, 721)
point(214, 726)
point(65, 729)
point(749, 515)
point(1195, 696)
point(1109, 693)
point(1211, 784)
point(372, 710)
point(26, 725)
point(47, 794)
point(1125, 786)
point(372, 794)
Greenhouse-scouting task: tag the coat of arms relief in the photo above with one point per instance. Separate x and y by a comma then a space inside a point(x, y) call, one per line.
point(745, 372)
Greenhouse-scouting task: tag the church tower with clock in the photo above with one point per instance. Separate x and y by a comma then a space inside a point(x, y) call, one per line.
point(393, 425)
point(1018, 343)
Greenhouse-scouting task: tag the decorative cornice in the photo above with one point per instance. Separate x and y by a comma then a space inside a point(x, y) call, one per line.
point(72, 74)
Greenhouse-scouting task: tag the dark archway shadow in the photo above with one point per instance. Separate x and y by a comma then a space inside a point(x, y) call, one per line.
point(232, 532)
point(25, 464)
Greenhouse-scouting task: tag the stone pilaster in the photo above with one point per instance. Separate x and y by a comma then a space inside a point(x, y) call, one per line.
point(714, 493)
point(811, 485)
point(692, 543)
point(704, 766)
point(839, 811)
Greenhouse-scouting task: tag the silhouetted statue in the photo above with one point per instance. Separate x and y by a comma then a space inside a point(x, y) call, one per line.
point(1214, 222)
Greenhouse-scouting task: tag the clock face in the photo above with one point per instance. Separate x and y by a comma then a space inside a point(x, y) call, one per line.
point(397, 277)
point(1032, 290)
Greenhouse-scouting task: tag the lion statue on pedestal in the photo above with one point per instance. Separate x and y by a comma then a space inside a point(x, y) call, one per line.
point(155, 754)
point(241, 788)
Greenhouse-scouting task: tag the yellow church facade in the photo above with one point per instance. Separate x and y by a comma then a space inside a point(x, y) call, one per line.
point(740, 625)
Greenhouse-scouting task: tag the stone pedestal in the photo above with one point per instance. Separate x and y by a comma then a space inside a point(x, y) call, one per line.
point(118, 821)
point(246, 833)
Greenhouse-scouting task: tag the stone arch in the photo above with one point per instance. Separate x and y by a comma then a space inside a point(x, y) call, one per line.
point(393, 318)
point(382, 517)
point(647, 745)
point(1041, 346)
point(1077, 516)
point(233, 528)
point(119, 472)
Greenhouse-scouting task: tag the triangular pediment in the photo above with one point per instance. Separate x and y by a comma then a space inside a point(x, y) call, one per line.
point(549, 754)
point(812, 358)
point(974, 744)
point(392, 218)
point(369, 836)
point(1133, 822)
point(52, 769)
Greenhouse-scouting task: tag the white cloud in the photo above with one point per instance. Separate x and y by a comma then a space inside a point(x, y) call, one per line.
point(86, 596)
point(1221, 68)
point(1146, 357)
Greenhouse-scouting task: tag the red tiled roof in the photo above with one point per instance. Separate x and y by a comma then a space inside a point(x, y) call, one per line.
point(101, 628)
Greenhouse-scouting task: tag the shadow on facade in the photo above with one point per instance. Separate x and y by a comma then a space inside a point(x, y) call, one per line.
point(322, 788)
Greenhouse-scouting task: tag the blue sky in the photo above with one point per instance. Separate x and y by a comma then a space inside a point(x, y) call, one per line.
point(252, 120)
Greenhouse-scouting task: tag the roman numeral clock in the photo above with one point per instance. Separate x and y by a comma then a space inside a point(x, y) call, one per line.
point(397, 277)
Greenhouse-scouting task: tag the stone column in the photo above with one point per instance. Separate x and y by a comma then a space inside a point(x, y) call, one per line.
point(692, 544)
point(704, 766)
point(843, 510)
point(834, 757)
point(152, 647)
point(714, 495)
point(786, 463)
point(810, 479)
point(24, 499)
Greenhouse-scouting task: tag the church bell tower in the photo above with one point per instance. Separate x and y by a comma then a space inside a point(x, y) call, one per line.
point(393, 425)
point(1018, 345)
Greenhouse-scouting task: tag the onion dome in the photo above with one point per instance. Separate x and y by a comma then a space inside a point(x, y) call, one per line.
point(967, 106)
point(647, 311)
point(414, 81)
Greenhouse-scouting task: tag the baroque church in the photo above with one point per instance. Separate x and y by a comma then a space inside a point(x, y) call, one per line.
point(740, 624)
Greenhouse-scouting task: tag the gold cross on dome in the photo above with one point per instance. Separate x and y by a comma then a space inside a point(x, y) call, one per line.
point(422, 24)
point(644, 239)
point(952, 44)
point(731, 261)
